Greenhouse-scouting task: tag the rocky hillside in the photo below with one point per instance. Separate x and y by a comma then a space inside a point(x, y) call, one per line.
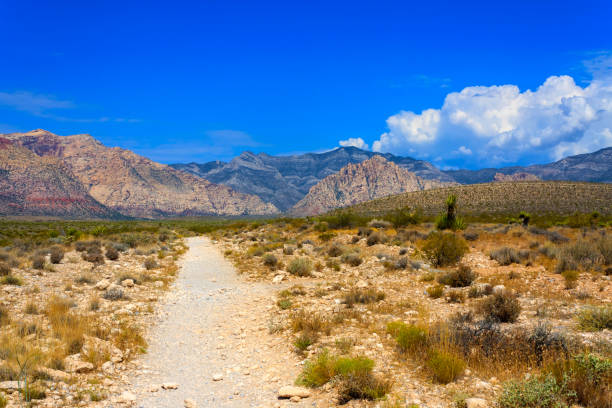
point(538, 197)
point(136, 186)
point(356, 183)
point(519, 176)
point(285, 180)
point(31, 185)
point(594, 167)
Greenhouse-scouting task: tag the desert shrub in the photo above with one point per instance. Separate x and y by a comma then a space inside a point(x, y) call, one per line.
point(352, 259)
point(595, 318)
point(376, 238)
point(505, 256)
point(409, 338)
point(38, 262)
point(435, 292)
point(552, 236)
point(535, 392)
point(402, 217)
point(502, 307)
point(270, 260)
point(589, 376)
point(327, 236)
point(335, 250)
point(605, 249)
point(321, 226)
point(114, 293)
point(93, 254)
point(444, 248)
point(4, 316)
point(402, 263)
point(363, 296)
point(379, 224)
point(304, 340)
point(284, 304)
point(565, 263)
point(112, 254)
point(583, 253)
point(571, 278)
point(56, 254)
point(353, 374)
point(288, 250)
point(480, 290)
point(309, 322)
point(300, 267)
point(445, 366)
point(4, 269)
point(11, 280)
point(455, 296)
point(150, 263)
point(470, 235)
point(459, 278)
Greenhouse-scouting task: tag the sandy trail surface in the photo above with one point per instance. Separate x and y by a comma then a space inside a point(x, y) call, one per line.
point(212, 341)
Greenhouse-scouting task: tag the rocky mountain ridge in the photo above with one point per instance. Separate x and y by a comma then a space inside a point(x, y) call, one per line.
point(136, 186)
point(31, 185)
point(356, 183)
point(285, 180)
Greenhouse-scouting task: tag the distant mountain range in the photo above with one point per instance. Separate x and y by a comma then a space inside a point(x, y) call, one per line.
point(76, 176)
point(285, 180)
point(127, 183)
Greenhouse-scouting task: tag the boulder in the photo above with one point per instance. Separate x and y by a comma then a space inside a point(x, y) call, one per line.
point(127, 283)
point(103, 284)
point(476, 403)
point(73, 364)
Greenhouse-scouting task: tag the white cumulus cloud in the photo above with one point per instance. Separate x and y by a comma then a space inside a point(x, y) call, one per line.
point(496, 125)
point(355, 142)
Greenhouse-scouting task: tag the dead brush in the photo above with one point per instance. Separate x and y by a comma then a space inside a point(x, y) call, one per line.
point(68, 326)
point(363, 296)
point(310, 322)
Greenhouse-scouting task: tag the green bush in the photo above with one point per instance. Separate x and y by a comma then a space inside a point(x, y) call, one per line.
point(300, 267)
point(444, 248)
point(450, 219)
point(409, 338)
point(445, 366)
point(536, 392)
point(402, 217)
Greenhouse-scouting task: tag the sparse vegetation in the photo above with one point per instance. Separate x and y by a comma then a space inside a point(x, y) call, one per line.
point(444, 248)
point(300, 267)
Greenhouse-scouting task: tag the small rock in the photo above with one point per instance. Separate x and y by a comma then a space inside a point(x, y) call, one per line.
point(169, 386)
point(217, 377)
point(498, 289)
point(476, 403)
point(278, 279)
point(74, 365)
point(289, 391)
point(295, 398)
point(9, 386)
point(362, 284)
point(127, 397)
point(127, 283)
point(189, 403)
point(103, 284)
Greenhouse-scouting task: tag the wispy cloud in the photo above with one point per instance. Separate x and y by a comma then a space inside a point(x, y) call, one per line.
point(422, 81)
point(45, 106)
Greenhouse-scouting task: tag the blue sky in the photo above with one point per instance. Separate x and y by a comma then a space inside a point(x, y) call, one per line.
point(442, 81)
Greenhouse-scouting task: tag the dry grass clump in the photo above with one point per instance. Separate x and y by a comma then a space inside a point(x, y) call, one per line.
point(38, 262)
point(300, 267)
point(444, 248)
point(461, 277)
point(309, 322)
point(595, 318)
point(352, 259)
point(150, 263)
point(363, 296)
point(335, 250)
point(505, 256)
point(445, 366)
point(455, 296)
point(114, 293)
point(93, 253)
point(584, 255)
point(69, 327)
point(409, 338)
point(435, 292)
point(501, 307)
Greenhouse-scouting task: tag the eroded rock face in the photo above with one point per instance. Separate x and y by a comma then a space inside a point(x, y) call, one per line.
point(136, 186)
point(42, 186)
point(356, 183)
point(285, 180)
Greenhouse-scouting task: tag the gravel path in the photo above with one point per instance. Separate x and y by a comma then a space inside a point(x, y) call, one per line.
point(214, 325)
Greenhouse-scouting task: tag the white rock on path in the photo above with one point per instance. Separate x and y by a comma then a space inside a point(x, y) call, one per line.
point(169, 386)
point(290, 391)
point(189, 403)
point(217, 377)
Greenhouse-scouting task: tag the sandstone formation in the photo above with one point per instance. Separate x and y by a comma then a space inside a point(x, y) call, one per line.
point(31, 185)
point(136, 186)
point(357, 183)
